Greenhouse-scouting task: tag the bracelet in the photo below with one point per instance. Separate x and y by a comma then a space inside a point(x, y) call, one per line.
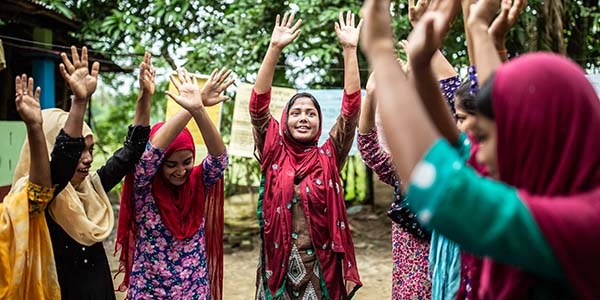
point(502, 51)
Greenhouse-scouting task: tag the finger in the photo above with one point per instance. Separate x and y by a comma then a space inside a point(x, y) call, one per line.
point(341, 19)
point(84, 57)
point(30, 86)
point(352, 21)
point(64, 73)
point(227, 84)
point(38, 92)
point(222, 99)
point(348, 17)
point(213, 74)
point(23, 84)
point(297, 25)
point(290, 20)
point(336, 27)
point(95, 69)
point(175, 82)
point(148, 58)
point(188, 77)
point(360, 24)
point(514, 11)
point(69, 66)
point(18, 86)
point(180, 76)
point(173, 96)
point(225, 75)
point(411, 4)
point(284, 20)
point(277, 20)
point(75, 56)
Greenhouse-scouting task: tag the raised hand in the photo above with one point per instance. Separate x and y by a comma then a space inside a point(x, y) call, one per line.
point(415, 12)
point(212, 91)
point(147, 74)
point(28, 102)
point(377, 34)
point(189, 92)
point(426, 38)
point(347, 33)
point(482, 12)
point(76, 73)
point(285, 31)
point(509, 14)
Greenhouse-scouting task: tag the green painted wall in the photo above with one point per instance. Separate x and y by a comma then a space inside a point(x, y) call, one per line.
point(12, 136)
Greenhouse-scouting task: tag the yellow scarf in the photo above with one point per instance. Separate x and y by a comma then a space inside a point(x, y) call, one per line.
point(84, 212)
point(27, 269)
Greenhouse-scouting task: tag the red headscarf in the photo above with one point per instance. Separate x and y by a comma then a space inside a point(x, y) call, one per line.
point(283, 160)
point(547, 117)
point(181, 209)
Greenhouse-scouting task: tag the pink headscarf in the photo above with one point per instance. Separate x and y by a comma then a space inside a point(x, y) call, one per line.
point(547, 117)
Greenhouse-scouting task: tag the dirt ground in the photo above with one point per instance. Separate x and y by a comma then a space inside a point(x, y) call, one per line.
point(371, 231)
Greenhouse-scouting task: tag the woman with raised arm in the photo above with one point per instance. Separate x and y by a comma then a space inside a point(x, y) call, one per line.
point(307, 250)
point(538, 225)
point(171, 220)
point(27, 269)
point(80, 216)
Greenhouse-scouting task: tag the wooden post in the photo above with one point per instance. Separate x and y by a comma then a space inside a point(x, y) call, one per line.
point(44, 68)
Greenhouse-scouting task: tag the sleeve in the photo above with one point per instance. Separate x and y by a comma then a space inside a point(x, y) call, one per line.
point(448, 87)
point(484, 216)
point(260, 116)
point(474, 84)
point(64, 159)
point(125, 158)
point(38, 197)
point(375, 157)
point(342, 133)
point(145, 170)
point(213, 168)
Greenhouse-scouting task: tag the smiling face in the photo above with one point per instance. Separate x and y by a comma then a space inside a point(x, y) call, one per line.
point(464, 120)
point(85, 161)
point(177, 167)
point(486, 134)
point(303, 120)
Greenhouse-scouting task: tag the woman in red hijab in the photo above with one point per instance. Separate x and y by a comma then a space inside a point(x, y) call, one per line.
point(538, 125)
point(307, 250)
point(171, 219)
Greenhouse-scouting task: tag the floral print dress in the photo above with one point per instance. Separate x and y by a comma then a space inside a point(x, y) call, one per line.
point(165, 267)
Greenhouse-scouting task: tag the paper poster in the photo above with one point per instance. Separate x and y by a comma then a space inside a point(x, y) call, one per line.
point(214, 112)
point(242, 142)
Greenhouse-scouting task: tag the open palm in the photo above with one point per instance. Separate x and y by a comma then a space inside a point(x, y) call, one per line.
point(285, 31)
point(76, 73)
point(212, 91)
point(189, 96)
point(28, 102)
point(347, 33)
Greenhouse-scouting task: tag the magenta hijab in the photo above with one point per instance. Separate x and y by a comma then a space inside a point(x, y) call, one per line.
point(547, 118)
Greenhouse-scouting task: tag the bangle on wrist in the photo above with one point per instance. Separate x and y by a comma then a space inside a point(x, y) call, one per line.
point(502, 51)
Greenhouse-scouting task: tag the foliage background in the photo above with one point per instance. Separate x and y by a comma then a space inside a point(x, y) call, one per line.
point(201, 35)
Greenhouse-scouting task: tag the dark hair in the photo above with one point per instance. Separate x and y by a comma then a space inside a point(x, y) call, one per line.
point(464, 100)
point(483, 99)
point(305, 95)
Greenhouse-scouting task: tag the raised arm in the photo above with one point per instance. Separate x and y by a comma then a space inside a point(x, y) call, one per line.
point(147, 86)
point(68, 147)
point(124, 159)
point(285, 32)
point(441, 67)
point(368, 108)
point(28, 107)
point(484, 52)
point(348, 35)
point(428, 65)
point(506, 19)
point(407, 128)
point(82, 83)
point(194, 101)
